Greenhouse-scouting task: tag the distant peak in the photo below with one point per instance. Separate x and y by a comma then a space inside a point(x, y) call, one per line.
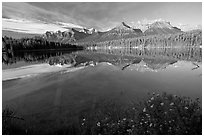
point(123, 25)
point(161, 24)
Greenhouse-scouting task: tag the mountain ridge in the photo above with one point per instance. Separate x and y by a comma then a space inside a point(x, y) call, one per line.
point(121, 31)
point(161, 27)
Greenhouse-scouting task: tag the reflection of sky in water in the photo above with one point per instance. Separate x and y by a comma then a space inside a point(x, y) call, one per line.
point(83, 88)
point(178, 78)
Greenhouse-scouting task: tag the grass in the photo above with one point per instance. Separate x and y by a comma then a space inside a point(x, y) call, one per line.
point(165, 114)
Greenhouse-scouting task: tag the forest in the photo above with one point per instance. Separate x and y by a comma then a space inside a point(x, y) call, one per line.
point(36, 43)
point(193, 38)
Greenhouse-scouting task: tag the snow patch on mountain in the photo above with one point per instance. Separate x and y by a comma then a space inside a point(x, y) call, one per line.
point(92, 30)
point(145, 24)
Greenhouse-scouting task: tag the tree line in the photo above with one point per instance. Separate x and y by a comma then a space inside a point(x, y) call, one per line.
point(169, 40)
point(37, 43)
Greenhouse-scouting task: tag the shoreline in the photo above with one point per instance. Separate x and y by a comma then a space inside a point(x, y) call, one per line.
point(33, 70)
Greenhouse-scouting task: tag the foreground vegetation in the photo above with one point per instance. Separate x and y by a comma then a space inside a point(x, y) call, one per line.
point(158, 114)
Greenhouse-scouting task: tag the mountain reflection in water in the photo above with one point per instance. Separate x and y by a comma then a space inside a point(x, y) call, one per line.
point(113, 55)
point(122, 75)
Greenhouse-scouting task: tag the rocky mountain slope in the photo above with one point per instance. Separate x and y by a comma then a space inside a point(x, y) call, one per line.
point(121, 31)
point(71, 35)
point(156, 31)
point(124, 31)
point(161, 27)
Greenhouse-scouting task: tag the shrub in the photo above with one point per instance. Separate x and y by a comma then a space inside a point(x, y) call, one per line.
point(159, 114)
point(170, 114)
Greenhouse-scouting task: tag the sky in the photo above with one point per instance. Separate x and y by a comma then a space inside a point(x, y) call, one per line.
point(101, 16)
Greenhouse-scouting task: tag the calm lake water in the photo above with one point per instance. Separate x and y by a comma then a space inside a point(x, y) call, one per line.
point(122, 75)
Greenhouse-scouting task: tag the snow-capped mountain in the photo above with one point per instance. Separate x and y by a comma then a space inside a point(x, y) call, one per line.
point(69, 32)
point(70, 35)
point(145, 24)
point(121, 31)
point(161, 27)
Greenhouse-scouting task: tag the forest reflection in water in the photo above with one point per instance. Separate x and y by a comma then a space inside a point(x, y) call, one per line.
point(188, 54)
point(109, 74)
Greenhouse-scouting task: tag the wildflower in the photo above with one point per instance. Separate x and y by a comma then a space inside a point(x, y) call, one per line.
point(148, 115)
point(131, 120)
point(160, 128)
point(133, 108)
point(144, 110)
point(134, 125)
point(186, 107)
point(152, 106)
point(84, 119)
point(129, 130)
point(165, 113)
point(150, 125)
point(82, 124)
point(170, 109)
point(153, 93)
point(124, 119)
point(152, 98)
point(98, 124)
point(145, 122)
point(161, 104)
point(172, 104)
point(140, 123)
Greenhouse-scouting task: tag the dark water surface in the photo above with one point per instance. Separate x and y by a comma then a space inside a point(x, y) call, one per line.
point(122, 75)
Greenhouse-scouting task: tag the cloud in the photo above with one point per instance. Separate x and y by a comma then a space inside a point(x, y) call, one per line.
point(29, 12)
point(37, 27)
point(102, 15)
point(98, 15)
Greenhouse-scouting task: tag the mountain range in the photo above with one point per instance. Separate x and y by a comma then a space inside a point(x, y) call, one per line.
point(121, 31)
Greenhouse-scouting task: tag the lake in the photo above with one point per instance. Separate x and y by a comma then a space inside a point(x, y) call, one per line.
point(124, 75)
